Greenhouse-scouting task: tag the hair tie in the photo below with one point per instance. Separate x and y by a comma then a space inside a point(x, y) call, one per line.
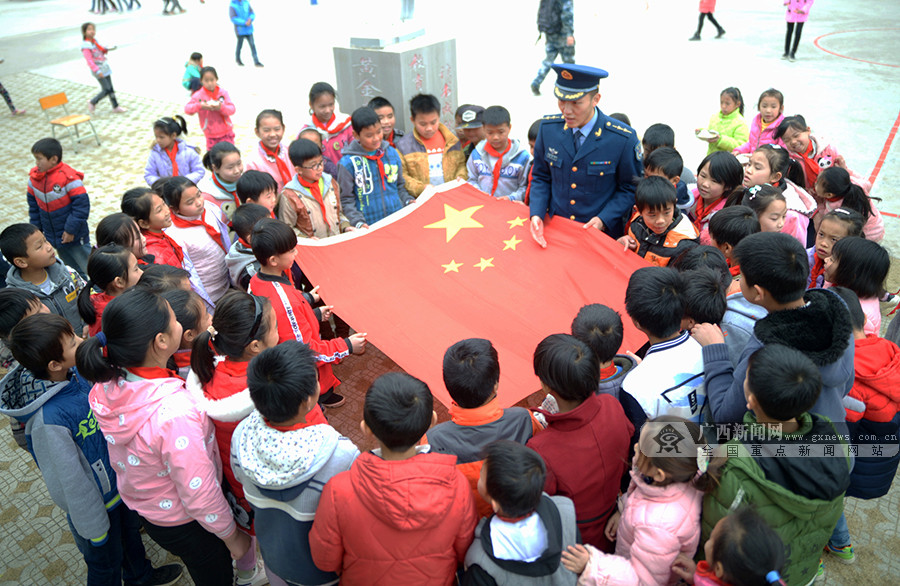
point(754, 191)
point(841, 211)
point(773, 577)
point(702, 461)
point(776, 146)
point(211, 346)
point(101, 339)
point(212, 332)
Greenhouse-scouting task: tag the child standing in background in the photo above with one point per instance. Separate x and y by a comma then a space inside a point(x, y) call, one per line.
point(191, 79)
point(707, 7)
point(797, 13)
point(171, 156)
point(95, 55)
point(729, 124)
point(214, 107)
point(333, 126)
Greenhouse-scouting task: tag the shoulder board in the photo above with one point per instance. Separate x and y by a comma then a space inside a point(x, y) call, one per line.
point(623, 130)
point(557, 117)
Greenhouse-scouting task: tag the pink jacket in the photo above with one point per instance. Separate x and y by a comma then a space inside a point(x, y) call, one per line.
point(214, 123)
point(707, 5)
point(797, 10)
point(657, 524)
point(825, 155)
point(258, 160)
point(165, 452)
point(801, 206)
point(874, 228)
point(759, 137)
point(338, 135)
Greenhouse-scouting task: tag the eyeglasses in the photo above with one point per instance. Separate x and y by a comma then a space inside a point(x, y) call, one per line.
point(315, 167)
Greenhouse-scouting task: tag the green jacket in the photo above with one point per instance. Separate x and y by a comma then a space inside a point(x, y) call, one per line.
point(733, 131)
point(804, 523)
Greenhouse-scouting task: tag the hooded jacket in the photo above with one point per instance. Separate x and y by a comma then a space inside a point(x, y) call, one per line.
point(800, 206)
point(63, 439)
point(242, 265)
point(874, 405)
point(801, 498)
point(821, 330)
point(738, 323)
point(483, 567)
point(62, 299)
point(159, 164)
point(239, 11)
point(58, 202)
point(366, 195)
point(165, 450)
point(820, 155)
point(299, 209)
point(283, 473)
point(415, 160)
point(213, 123)
point(513, 179)
point(658, 523)
point(759, 137)
point(395, 522)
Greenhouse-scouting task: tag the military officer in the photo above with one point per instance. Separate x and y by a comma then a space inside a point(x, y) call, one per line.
point(585, 162)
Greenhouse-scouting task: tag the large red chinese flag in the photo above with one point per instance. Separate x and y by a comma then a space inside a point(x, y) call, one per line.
point(461, 264)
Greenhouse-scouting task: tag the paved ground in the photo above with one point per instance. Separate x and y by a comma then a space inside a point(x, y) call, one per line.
point(847, 89)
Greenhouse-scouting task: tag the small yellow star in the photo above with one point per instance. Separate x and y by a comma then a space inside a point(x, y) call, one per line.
point(517, 222)
point(452, 267)
point(455, 220)
point(511, 243)
point(485, 263)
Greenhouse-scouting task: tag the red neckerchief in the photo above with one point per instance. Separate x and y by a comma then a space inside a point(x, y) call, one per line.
point(282, 166)
point(817, 270)
point(390, 139)
point(330, 128)
point(211, 95)
point(182, 358)
point(212, 232)
point(172, 154)
point(151, 372)
point(378, 159)
point(176, 248)
point(499, 164)
point(316, 190)
point(608, 372)
point(513, 519)
point(704, 210)
point(215, 179)
point(294, 427)
point(99, 46)
point(810, 167)
point(705, 571)
point(735, 270)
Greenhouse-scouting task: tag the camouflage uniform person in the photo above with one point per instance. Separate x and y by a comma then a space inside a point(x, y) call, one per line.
point(556, 21)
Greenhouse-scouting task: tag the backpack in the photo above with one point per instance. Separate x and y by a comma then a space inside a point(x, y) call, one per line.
point(549, 20)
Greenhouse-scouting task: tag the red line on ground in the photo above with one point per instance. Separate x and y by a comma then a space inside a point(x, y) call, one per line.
point(816, 43)
point(884, 152)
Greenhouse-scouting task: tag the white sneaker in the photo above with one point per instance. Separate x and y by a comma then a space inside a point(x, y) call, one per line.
point(258, 578)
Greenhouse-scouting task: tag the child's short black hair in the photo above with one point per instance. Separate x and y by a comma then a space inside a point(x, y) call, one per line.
point(320, 88)
point(15, 303)
point(654, 299)
point(748, 549)
point(172, 188)
point(161, 278)
point(196, 56)
point(379, 102)
point(302, 150)
point(666, 160)
point(270, 238)
point(398, 410)
point(280, 379)
point(704, 296)
point(654, 193)
point(514, 477)
point(784, 381)
point(621, 117)
point(703, 256)
point(37, 340)
point(862, 265)
point(471, 371)
point(49, 147)
point(363, 118)
point(567, 366)
point(533, 129)
point(731, 225)
point(253, 184)
point(12, 241)
point(424, 104)
point(245, 218)
point(118, 228)
point(658, 135)
point(776, 262)
point(857, 316)
point(797, 122)
point(495, 116)
point(600, 327)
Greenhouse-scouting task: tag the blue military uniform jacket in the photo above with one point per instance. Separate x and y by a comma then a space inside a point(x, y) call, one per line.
point(597, 181)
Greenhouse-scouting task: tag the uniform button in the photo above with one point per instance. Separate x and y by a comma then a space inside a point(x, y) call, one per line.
point(574, 169)
point(601, 173)
point(571, 217)
point(574, 186)
point(571, 202)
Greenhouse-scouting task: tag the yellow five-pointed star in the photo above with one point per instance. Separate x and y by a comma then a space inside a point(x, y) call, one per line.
point(455, 220)
point(517, 222)
point(452, 267)
point(485, 263)
point(511, 243)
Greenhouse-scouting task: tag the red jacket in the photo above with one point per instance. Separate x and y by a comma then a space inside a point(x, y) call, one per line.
point(877, 384)
point(298, 321)
point(99, 301)
point(395, 522)
point(586, 451)
point(165, 251)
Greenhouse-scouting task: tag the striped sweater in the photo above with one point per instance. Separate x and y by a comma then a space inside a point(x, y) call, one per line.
point(58, 202)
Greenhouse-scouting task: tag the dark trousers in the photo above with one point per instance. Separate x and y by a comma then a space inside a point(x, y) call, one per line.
point(205, 555)
point(240, 45)
point(6, 97)
point(711, 18)
point(122, 557)
point(787, 38)
point(106, 89)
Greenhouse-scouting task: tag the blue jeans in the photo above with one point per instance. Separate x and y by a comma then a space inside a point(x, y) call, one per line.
point(240, 45)
point(841, 535)
point(122, 557)
point(76, 256)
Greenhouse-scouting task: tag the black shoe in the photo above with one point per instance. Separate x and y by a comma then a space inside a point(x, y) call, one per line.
point(258, 64)
point(792, 57)
point(721, 33)
point(696, 37)
point(535, 89)
point(784, 57)
point(239, 62)
point(332, 400)
point(163, 576)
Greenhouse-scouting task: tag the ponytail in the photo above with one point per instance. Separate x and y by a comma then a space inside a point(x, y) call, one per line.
point(749, 551)
point(239, 320)
point(138, 203)
point(174, 125)
point(212, 160)
point(103, 266)
point(836, 180)
point(130, 324)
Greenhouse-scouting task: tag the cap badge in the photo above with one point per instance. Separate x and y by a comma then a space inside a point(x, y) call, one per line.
point(565, 75)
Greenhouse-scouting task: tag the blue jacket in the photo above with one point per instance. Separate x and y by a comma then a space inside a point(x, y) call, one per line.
point(67, 445)
point(58, 202)
point(366, 195)
point(239, 11)
point(598, 180)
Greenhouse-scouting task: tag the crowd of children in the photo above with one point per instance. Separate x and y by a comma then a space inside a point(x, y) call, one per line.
point(203, 358)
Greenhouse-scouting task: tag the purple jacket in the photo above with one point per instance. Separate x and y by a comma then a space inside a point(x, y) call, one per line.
point(160, 165)
point(798, 10)
point(759, 137)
